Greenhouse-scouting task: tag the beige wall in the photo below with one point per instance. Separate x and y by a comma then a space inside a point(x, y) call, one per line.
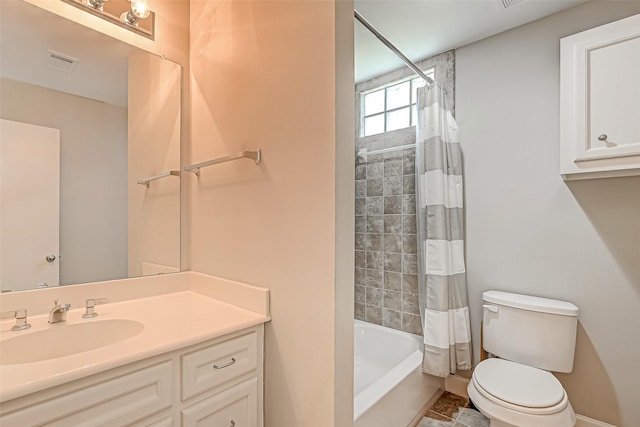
point(530, 232)
point(93, 173)
point(264, 75)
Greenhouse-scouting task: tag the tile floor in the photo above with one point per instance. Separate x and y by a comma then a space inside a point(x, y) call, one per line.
point(453, 411)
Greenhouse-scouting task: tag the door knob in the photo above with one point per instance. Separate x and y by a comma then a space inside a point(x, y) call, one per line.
point(50, 258)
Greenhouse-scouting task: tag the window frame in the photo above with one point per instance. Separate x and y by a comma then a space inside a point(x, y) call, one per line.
point(430, 72)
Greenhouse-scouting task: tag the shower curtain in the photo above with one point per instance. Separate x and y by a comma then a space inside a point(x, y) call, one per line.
point(444, 306)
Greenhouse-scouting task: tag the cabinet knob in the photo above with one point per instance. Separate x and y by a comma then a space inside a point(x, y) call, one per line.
point(233, 423)
point(604, 137)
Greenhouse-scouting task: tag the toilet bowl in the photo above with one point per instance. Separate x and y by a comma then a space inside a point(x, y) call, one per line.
point(529, 337)
point(511, 394)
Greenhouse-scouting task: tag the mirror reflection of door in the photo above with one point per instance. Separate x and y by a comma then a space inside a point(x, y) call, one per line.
point(29, 206)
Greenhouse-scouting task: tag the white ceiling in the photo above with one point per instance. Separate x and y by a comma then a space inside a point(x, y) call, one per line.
point(27, 33)
point(423, 28)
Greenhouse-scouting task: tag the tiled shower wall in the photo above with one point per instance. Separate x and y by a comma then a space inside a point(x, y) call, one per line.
point(386, 281)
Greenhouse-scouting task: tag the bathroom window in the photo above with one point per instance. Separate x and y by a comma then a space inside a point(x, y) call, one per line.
point(391, 107)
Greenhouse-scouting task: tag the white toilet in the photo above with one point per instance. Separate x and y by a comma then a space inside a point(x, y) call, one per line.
point(528, 336)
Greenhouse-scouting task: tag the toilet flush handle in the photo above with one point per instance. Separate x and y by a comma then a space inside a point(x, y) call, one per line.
point(491, 308)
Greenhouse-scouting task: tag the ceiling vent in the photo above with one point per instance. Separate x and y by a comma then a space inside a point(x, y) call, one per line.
point(508, 3)
point(61, 62)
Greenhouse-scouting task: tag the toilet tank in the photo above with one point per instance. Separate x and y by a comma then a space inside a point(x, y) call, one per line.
point(534, 331)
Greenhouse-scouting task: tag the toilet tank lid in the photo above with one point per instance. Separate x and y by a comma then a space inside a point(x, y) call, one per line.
point(528, 302)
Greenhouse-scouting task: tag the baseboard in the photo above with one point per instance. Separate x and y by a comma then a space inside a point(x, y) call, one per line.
point(425, 409)
point(457, 385)
point(582, 421)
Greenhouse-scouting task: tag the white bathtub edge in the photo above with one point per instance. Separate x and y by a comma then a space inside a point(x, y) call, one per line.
point(404, 403)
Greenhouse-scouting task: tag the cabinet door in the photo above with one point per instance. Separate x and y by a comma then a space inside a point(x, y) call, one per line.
point(115, 402)
point(234, 407)
point(600, 100)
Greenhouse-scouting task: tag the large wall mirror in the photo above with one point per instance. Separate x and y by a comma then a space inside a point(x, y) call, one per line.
point(89, 156)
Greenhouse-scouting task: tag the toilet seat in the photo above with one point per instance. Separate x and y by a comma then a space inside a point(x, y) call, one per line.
point(519, 387)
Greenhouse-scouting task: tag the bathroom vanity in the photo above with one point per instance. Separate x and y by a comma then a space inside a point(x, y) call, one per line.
point(185, 350)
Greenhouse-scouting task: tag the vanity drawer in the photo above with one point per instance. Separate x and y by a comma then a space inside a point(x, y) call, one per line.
point(234, 407)
point(217, 364)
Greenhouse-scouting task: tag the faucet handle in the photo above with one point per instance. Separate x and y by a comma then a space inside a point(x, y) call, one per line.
point(91, 307)
point(20, 315)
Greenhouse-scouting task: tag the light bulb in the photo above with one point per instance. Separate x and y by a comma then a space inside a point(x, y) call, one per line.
point(140, 8)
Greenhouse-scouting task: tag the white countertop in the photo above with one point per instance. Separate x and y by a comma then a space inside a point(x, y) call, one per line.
point(171, 321)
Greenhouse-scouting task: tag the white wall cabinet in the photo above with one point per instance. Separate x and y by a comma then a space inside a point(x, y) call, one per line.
point(600, 101)
point(218, 383)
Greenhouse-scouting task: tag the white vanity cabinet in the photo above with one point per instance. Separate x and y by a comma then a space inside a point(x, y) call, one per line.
point(600, 101)
point(217, 383)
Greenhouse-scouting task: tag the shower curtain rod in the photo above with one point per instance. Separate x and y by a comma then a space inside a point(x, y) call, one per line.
point(394, 49)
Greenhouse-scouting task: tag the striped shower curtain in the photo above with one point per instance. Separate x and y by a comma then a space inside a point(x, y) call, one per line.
point(444, 306)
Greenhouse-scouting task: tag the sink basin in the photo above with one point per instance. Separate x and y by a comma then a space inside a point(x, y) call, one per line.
point(62, 340)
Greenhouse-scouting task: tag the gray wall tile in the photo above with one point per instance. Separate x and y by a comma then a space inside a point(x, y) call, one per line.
point(392, 300)
point(411, 323)
point(374, 278)
point(360, 242)
point(393, 224)
point(393, 185)
point(373, 314)
point(375, 224)
point(359, 311)
point(409, 224)
point(374, 187)
point(410, 283)
point(373, 242)
point(392, 281)
point(392, 243)
point(393, 167)
point(393, 204)
point(373, 296)
point(410, 304)
point(360, 294)
point(375, 260)
point(409, 204)
point(409, 264)
point(409, 162)
point(375, 206)
point(361, 188)
point(375, 169)
point(408, 184)
point(361, 206)
point(391, 319)
point(409, 244)
point(392, 262)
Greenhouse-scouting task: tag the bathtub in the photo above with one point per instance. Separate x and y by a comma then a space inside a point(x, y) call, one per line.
point(390, 389)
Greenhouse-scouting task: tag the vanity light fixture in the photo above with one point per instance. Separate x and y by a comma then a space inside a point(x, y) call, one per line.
point(96, 4)
point(134, 15)
point(139, 10)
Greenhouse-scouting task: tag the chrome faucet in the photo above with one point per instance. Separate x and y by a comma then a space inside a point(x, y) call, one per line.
point(59, 312)
point(21, 318)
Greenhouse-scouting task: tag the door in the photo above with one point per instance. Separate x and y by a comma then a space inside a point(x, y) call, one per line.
point(29, 206)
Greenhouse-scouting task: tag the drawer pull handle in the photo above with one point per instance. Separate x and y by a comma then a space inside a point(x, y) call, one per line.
point(233, 360)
